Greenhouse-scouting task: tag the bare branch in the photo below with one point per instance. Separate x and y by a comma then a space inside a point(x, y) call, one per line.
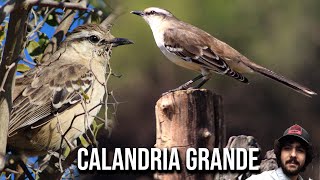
point(99, 118)
point(63, 5)
point(74, 117)
point(11, 5)
point(25, 169)
point(13, 46)
point(61, 132)
point(109, 73)
point(4, 80)
point(28, 62)
point(52, 173)
point(61, 31)
point(39, 26)
point(112, 17)
point(11, 171)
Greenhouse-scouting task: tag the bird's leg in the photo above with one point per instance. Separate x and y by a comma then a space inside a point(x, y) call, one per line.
point(201, 83)
point(185, 85)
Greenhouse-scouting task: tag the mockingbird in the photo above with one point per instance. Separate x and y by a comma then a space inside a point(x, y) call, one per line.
point(56, 102)
point(195, 49)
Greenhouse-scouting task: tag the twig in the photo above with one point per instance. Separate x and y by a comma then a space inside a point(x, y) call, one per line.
point(61, 132)
point(35, 17)
point(8, 68)
point(61, 31)
point(25, 169)
point(106, 90)
point(67, 141)
point(72, 148)
point(41, 23)
point(74, 117)
point(9, 6)
point(86, 120)
point(11, 171)
point(93, 52)
point(99, 118)
point(29, 62)
point(64, 5)
point(118, 11)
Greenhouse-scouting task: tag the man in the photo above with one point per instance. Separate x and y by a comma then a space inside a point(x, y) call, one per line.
point(293, 151)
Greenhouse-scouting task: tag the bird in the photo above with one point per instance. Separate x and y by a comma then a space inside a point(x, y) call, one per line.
point(56, 102)
point(197, 50)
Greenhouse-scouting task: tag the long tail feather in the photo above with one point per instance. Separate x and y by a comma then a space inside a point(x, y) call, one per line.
point(289, 83)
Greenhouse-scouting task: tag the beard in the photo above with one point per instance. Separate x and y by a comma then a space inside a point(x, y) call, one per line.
point(291, 172)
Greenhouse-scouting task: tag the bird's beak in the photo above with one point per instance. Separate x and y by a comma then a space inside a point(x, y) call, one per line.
point(139, 13)
point(120, 41)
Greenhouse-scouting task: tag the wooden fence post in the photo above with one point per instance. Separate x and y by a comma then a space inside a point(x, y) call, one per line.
point(185, 119)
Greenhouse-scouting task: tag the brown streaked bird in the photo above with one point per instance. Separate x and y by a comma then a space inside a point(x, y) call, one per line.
point(195, 49)
point(48, 98)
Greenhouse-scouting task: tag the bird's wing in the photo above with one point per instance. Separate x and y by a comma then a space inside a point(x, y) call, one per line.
point(195, 47)
point(52, 89)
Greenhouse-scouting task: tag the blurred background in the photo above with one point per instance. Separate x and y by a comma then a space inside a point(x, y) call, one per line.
point(283, 36)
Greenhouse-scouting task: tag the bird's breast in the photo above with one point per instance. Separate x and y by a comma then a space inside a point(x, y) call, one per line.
point(159, 39)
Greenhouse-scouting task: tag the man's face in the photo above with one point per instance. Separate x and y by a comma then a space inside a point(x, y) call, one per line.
point(293, 157)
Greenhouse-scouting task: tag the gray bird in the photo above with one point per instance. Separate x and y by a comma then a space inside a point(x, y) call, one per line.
point(63, 93)
point(197, 50)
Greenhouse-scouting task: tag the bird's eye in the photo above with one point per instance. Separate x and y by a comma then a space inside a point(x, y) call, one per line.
point(94, 39)
point(152, 12)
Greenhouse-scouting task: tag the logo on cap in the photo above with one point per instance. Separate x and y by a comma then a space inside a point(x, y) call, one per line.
point(295, 129)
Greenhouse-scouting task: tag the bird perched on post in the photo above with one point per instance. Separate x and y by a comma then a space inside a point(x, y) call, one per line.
point(195, 49)
point(56, 102)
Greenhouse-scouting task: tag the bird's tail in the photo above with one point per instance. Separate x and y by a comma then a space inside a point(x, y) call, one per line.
point(289, 83)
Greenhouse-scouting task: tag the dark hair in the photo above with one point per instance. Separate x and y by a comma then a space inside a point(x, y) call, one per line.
point(278, 145)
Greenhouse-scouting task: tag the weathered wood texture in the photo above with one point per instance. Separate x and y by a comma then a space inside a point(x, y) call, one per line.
point(189, 118)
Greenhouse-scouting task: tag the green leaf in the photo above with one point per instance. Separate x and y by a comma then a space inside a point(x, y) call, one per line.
point(3, 32)
point(34, 48)
point(97, 129)
point(85, 95)
point(52, 20)
point(83, 141)
point(94, 124)
point(2, 35)
point(43, 40)
point(66, 151)
point(22, 68)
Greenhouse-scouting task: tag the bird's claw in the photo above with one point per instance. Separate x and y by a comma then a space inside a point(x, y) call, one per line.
point(183, 87)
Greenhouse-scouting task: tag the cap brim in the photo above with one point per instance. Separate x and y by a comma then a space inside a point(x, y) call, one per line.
point(293, 135)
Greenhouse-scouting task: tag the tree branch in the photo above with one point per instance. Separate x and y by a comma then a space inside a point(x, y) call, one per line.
point(11, 5)
point(112, 17)
point(64, 5)
point(13, 46)
point(4, 80)
point(40, 25)
point(61, 31)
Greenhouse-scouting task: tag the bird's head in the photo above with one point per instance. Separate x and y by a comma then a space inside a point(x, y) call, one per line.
point(154, 15)
point(94, 37)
